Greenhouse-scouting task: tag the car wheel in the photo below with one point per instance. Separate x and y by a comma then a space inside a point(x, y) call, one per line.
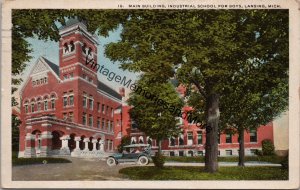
point(143, 160)
point(111, 161)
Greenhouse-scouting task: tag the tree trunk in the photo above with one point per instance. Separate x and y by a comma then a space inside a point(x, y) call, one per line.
point(242, 148)
point(159, 146)
point(211, 147)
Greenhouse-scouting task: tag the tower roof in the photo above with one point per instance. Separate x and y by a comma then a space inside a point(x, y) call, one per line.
point(73, 21)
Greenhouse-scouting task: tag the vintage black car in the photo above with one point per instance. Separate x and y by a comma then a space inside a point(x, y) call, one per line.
point(138, 153)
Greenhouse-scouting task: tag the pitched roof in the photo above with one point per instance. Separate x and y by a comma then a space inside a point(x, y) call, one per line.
point(72, 21)
point(100, 85)
point(103, 87)
point(53, 66)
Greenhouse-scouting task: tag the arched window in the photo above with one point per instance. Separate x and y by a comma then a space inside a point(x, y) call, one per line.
point(172, 141)
point(66, 48)
point(39, 104)
point(83, 48)
point(181, 142)
point(32, 105)
point(26, 106)
point(141, 141)
point(90, 52)
point(149, 141)
point(72, 46)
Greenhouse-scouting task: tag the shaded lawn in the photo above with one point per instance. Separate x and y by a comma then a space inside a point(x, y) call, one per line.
point(197, 173)
point(272, 159)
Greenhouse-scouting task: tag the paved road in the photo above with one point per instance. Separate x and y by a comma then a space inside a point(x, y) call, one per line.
point(79, 169)
point(91, 169)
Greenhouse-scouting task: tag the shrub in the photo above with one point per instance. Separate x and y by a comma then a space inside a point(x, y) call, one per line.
point(258, 152)
point(159, 160)
point(267, 147)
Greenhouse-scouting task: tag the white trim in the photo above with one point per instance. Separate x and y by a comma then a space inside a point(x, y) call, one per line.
point(68, 30)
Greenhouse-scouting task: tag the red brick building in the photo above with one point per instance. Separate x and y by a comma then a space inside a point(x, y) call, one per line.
point(192, 141)
point(66, 110)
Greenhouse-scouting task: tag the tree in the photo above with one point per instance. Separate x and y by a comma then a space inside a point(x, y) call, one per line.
point(217, 44)
point(124, 141)
point(153, 117)
point(257, 110)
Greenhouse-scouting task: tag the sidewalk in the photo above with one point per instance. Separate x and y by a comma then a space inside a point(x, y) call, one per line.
point(222, 164)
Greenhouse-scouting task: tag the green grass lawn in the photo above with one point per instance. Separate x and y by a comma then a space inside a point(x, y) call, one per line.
point(272, 159)
point(197, 173)
point(27, 161)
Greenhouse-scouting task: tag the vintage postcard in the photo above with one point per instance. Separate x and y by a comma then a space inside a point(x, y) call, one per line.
point(150, 94)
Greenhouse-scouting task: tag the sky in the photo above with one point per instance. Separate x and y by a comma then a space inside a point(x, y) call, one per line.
point(50, 50)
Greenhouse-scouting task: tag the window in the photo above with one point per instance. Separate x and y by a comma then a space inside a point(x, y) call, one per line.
point(112, 112)
point(65, 116)
point(228, 138)
point(228, 152)
point(71, 75)
point(72, 46)
point(33, 83)
point(39, 106)
point(84, 103)
point(112, 125)
point(172, 141)
point(141, 141)
point(219, 138)
point(65, 100)
point(45, 79)
point(103, 124)
point(181, 142)
point(199, 137)
point(45, 105)
point(107, 125)
point(98, 122)
point(181, 153)
point(84, 76)
point(90, 120)
point(53, 104)
point(103, 107)
point(91, 104)
point(106, 109)
point(71, 116)
point(172, 153)
point(26, 108)
point(98, 106)
point(190, 138)
point(32, 107)
point(84, 118)
point(65, 77)
point(71, 100)
point(219, 153)
point(190, 153)
point(253, 135)
point(253, 151)
point(200, 153)
point(90, 79)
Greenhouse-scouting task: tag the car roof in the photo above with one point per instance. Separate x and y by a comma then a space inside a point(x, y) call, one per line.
point(136, 145)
